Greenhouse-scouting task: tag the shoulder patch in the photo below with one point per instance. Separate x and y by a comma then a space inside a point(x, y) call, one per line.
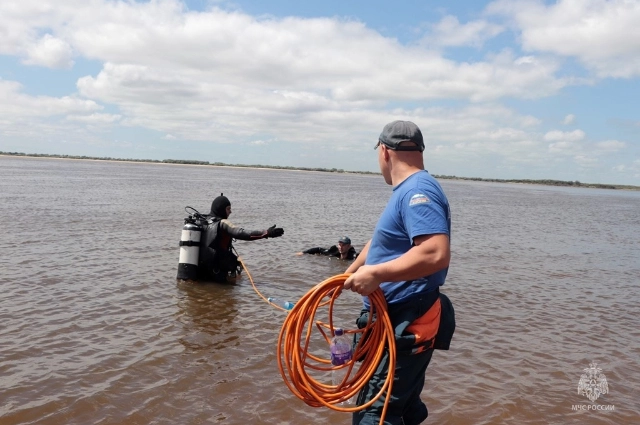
point(419, 198)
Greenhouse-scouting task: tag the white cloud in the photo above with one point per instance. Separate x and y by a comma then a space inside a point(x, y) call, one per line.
point(41, 118)
point(327, 57)
point(450, 32)
point(603, 34)
point(569, 119)
point(566, 136)
point(611, 145)
point(563, 147)
point(583, 153)
point(29, 29)
point(14, 103)
point(95, 118)
point(567, 143)
point(50, 52)
point(586, 160)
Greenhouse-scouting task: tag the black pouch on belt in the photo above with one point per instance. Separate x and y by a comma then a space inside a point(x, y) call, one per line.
point(401, 316)
point(447, 324)
point(404, 315)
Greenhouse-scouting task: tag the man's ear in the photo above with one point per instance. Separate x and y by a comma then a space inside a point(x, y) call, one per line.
point(385, 153)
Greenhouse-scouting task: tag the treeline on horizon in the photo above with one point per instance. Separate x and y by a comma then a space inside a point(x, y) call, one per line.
point(547, 182)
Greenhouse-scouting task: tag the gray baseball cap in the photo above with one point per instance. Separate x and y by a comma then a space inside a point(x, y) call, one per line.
point(397, 132)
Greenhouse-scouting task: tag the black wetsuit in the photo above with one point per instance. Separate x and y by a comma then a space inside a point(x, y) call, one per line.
point(332, 252)
point(216, 258)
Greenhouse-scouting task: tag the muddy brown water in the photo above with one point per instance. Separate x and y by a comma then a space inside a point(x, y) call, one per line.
point(94, 328)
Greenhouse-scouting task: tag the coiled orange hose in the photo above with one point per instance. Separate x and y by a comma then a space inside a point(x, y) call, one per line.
point(295, 357)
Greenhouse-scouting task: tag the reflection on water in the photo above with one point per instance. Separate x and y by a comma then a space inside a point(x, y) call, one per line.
point(96, 330)
point(206, 312)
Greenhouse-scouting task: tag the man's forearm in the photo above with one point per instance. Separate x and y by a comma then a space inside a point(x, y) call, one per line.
point(242, 234)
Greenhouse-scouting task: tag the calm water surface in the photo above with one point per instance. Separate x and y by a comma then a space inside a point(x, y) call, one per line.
point(94, 328)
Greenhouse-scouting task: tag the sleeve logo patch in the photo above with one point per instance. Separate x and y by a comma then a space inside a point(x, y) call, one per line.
point(418, 199)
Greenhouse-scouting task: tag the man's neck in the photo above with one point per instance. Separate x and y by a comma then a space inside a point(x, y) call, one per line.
point(403, 165)
point(400, 177)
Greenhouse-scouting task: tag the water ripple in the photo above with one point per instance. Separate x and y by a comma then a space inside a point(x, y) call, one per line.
point(95, 328)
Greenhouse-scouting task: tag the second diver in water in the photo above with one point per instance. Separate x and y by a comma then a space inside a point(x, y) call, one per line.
point(343, 250)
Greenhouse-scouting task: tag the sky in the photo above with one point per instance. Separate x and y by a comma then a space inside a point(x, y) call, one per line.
point(506, 89)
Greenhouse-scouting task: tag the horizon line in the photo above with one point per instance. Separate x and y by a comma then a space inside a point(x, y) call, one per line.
point(547, 182)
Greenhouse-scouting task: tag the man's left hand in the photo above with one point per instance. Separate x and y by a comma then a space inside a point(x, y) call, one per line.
point(274, 232)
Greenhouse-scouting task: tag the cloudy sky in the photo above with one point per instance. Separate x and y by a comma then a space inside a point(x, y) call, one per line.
point(501, 89)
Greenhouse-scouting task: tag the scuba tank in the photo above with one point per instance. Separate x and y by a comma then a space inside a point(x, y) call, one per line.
point(190, 245)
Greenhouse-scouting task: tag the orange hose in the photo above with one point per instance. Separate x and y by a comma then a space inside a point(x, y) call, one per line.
point(294, 356)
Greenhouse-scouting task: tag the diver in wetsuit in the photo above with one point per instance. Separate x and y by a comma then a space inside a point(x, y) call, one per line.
point(216, 261)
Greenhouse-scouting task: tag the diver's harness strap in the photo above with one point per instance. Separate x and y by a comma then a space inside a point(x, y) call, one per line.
point(211, 221)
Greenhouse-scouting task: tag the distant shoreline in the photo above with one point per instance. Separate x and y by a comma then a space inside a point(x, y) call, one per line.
point(326, 170)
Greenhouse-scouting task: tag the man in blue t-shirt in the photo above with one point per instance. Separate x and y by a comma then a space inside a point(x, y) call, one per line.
point(408, 259)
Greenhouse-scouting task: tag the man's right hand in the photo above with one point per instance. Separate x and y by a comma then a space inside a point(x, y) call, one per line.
point(364, 281)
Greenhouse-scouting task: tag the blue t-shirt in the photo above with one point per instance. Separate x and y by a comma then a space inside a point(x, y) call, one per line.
point(418, 206)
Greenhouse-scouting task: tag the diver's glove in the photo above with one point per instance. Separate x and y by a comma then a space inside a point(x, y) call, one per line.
point(274, 232)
